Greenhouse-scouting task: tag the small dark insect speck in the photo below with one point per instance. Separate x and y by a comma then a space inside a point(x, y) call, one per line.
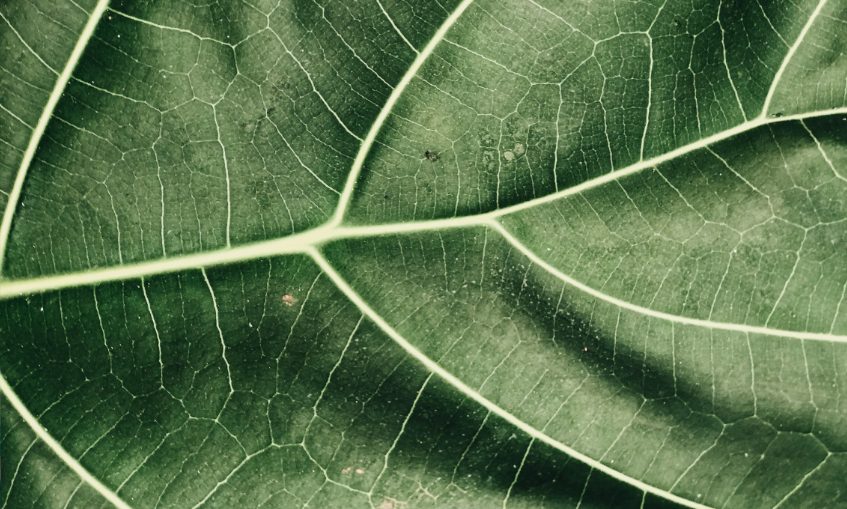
point(387, 197)
point(777, 114)
point(431, 156)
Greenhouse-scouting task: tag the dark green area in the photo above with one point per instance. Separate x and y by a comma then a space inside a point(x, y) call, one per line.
point(670, 336)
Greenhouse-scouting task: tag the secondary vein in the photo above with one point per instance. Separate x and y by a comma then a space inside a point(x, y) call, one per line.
point(43, 120)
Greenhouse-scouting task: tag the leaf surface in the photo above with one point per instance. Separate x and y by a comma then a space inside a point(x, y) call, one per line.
point(423, 254)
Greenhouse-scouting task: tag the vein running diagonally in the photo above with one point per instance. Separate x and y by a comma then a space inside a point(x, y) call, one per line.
point(474, 395)
point(788, 56)
point(27, 46)
point(748, 329)
point(365, 148)
point(43, 120)
point(397, 29)
point(57, 448)
point(346, 193)
point(309, 242)
point(5, 228)
point(301, 242)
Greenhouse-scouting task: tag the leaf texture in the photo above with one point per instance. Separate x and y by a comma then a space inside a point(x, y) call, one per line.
point(394, 254)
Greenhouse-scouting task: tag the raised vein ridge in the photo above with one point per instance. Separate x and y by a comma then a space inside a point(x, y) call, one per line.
point(434, 367)
point(43, 120)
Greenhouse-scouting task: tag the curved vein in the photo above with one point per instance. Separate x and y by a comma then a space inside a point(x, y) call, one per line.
point(746, 329)
point(655, 161)
point(57, 448)
point(793, 49)
point(365, 148)
point(307, 242)
point(434, 367)
point(43, 120)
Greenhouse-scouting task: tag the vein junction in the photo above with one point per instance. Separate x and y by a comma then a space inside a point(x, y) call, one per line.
point(311, 241)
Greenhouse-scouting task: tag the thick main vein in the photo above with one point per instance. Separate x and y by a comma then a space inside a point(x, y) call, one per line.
point(290, 244)
point(302, 242)
point(332, 230)
point(307, 242)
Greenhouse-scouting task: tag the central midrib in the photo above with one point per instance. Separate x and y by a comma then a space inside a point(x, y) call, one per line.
point(46, 116)
point(333, 230)
point(309, 243)
point(312, 240)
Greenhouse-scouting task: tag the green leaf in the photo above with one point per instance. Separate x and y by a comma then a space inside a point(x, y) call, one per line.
point(397, 254)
